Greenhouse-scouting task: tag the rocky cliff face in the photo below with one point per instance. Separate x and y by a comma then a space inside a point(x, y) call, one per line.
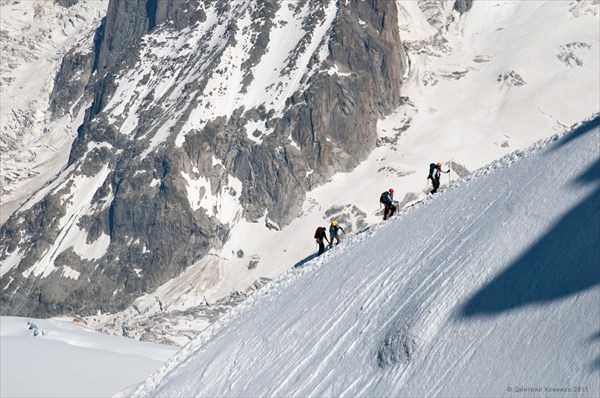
point(203, 114)
point(35, 37)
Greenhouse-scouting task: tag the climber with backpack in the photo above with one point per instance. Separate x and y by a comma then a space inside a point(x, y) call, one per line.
point(435, 170)
point(321, 234)
point(333, 233)
point(387, 200)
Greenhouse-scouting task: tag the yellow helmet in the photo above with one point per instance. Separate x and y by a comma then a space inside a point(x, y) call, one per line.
point(438, 164)
point(334, 223)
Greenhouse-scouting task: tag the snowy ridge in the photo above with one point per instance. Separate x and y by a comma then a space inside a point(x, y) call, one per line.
point(289, 277)
point(433, 286)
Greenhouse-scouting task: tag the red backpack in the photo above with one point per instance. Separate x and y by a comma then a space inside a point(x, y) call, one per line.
point(319, 233)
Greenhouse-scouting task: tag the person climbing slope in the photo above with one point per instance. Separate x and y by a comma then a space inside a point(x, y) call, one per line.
point(435, 170)
point(387, 199)
point(320, 234)
point(333, 233)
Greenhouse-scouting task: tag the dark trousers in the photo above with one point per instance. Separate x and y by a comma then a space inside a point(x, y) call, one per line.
point(389, 211)
point(332, 237)
point(321, 246)
point(436, 184)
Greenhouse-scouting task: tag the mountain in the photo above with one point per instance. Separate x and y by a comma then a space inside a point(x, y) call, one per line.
point(489, 289)
point(496, 295)
point(169, 157)
point(217, 135)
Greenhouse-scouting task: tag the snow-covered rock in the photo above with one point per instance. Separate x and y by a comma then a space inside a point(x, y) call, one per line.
point(35, 140)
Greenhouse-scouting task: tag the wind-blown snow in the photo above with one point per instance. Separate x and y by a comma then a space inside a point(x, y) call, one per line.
point(490, 288)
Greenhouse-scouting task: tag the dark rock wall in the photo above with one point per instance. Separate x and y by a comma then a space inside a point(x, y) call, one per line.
point(154, 233)
point(71, 81)
point(126, 22)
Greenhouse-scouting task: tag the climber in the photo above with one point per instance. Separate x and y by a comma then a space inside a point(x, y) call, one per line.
point(333, 233)
point(387, 199)
point(435, 170)
point(320, 234)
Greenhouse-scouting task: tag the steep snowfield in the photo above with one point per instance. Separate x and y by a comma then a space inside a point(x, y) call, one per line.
point(489, 289)
point(504, 75)
point(59, 357)
point(489, 286)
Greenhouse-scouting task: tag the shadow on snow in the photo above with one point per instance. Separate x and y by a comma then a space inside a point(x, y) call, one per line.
point(580, 131)
point(305, 260)
point(592, 340)
point(563, 262)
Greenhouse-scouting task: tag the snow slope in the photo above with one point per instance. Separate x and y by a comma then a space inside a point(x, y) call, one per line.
point(59, 357)
point(489, 289)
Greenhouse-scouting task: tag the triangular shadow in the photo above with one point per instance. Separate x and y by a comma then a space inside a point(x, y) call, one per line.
point(563, 262)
